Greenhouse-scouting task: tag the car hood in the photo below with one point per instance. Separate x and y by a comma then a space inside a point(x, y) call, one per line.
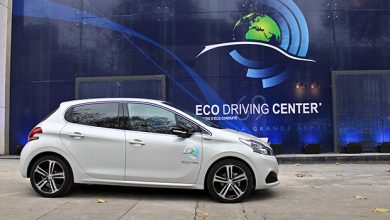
point(243, 135)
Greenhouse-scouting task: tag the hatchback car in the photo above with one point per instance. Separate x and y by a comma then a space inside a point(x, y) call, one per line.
point(141, 142)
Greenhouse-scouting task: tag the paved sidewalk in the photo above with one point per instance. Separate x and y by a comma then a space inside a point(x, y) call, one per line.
point(325, 191)
point(376, 158)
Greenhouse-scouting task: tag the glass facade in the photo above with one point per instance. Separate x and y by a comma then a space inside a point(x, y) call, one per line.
point(262, 67)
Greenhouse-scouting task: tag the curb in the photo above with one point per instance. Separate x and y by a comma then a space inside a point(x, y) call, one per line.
point(377, 158)
point(13, 157)
point(374, 158)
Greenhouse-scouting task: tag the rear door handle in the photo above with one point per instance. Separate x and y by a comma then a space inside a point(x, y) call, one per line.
point(136, 142)
point(76, 135)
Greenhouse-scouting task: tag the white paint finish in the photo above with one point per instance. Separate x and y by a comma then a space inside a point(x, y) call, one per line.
point(155, 160)
point(170, 162)
point(106, 145)
point(2, 130)
point(214, 46)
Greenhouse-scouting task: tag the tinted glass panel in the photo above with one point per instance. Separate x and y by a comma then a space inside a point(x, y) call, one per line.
point(99, 115)
point(111, 88)
point(191, 127)
point(149, 118)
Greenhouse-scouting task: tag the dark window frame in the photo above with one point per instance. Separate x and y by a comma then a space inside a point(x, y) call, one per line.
point(147, 104)
point(68, 116)
point(177, 114)
point(125, 113)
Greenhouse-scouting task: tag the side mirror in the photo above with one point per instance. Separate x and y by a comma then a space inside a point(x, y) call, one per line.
point(181, 132)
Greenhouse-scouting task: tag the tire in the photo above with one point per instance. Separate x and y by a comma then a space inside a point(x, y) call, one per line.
point(55, 182)
point(230, 188)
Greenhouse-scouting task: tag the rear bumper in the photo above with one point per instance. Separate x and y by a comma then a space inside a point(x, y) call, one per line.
point(24, 161)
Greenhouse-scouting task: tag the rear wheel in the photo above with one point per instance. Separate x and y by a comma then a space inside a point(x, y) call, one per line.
point(230, 181)
point(51, 176)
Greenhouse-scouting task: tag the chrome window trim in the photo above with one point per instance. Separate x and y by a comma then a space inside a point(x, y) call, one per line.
point(202, 127)
point(174, 112)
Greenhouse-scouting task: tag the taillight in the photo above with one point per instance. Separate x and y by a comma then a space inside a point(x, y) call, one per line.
point(32, 134)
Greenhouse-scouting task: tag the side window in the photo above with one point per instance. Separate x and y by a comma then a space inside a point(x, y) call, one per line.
point(187, 124)
point(150, 118)
point(104, 115)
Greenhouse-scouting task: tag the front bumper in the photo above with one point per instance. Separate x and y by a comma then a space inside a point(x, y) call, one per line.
point(266, 171)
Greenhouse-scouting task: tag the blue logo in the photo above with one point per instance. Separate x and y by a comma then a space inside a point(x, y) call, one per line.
point(191, 152)
point(282, 30)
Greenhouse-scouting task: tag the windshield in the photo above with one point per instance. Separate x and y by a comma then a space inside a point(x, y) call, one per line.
point(199, 118)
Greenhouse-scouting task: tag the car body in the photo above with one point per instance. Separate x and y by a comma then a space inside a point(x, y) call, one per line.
point(142, 142)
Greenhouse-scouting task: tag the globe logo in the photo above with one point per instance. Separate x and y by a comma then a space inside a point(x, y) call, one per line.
point(280, 30)
point(191, 152)
point(257, 27)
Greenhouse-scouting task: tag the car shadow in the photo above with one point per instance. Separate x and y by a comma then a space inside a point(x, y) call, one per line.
point(167, 194)
point(127, 192)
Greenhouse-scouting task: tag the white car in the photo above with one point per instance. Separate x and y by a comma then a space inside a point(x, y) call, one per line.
point(141, 142)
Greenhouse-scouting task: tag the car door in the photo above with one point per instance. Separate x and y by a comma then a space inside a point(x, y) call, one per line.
point(95, 138)
point(153, 153)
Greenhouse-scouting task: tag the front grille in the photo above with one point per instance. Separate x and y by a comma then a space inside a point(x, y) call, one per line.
point(271, 178)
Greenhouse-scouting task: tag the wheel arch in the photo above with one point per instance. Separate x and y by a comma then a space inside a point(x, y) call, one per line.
point(48, 153)
point(226, 158)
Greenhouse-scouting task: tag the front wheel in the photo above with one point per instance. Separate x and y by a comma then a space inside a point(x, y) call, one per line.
point(51, 176)
point(230, 181)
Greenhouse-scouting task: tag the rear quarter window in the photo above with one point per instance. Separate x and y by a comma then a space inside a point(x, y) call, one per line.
point(104, 115)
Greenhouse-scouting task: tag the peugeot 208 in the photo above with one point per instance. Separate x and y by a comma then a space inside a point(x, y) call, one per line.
point(141, 142)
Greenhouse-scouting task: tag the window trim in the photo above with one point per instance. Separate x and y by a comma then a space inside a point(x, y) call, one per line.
point(120, 119)
point(126, 108)
point(177, 117)
point(125, 114)
point(202, 129)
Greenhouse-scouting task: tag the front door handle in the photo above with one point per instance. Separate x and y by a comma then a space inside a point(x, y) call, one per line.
point(136, 142)
point(76, 135)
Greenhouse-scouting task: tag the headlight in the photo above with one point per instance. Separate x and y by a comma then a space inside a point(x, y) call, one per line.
point(257, 147)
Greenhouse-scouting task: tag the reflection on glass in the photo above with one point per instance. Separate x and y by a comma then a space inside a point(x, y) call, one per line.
point(98, 115)
point(149, 118)
point(191, 127)
point(199, 118)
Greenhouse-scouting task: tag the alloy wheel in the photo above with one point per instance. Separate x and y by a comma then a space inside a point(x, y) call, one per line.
point(49, 176)
point(230, 182)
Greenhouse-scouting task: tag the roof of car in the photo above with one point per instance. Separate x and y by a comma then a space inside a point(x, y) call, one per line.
point(81, 101)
